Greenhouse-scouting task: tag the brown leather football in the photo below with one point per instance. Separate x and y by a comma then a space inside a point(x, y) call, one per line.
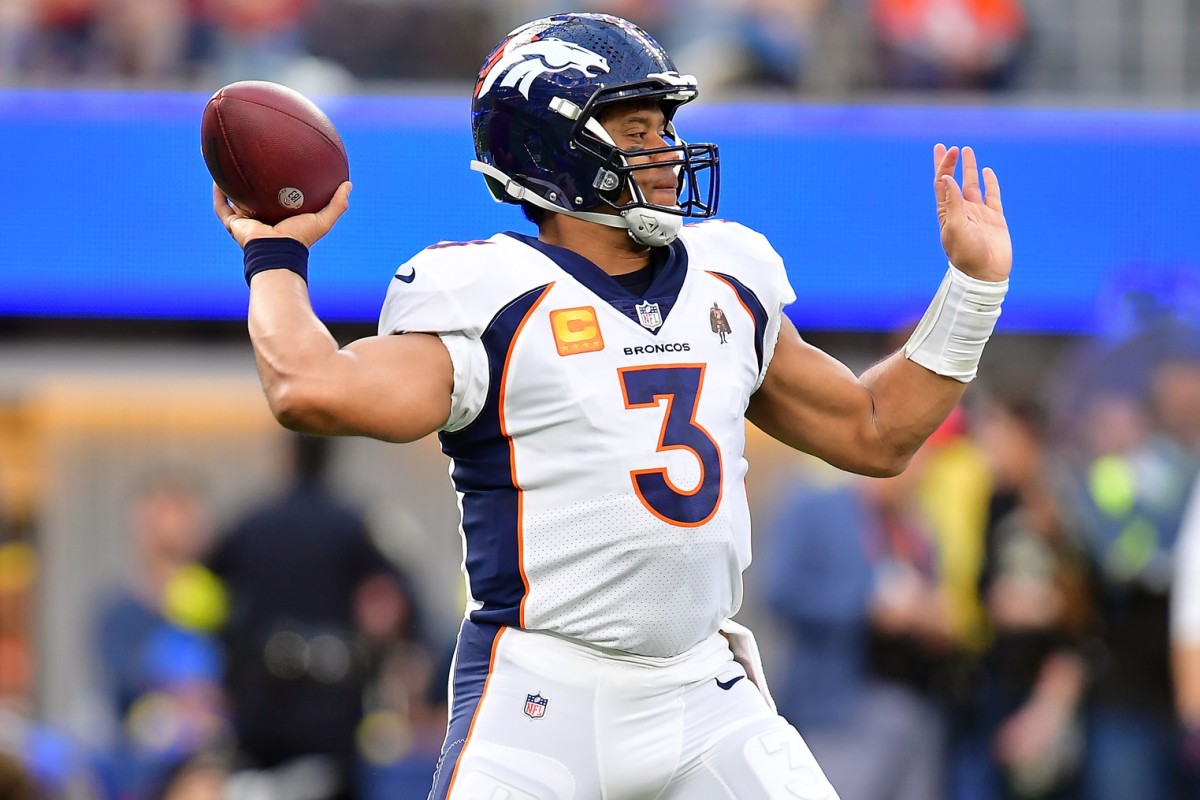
point(272, 150)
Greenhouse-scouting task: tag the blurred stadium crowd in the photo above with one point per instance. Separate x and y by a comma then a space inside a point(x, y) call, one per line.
point(825, 48)
point(993, 624)
point(997, 622)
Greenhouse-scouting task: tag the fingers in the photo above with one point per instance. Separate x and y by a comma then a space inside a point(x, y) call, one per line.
point(221, 205)
point(331, 213)
point(970, 176)
point(305, 228)
point(992, 185)
point(944, 161)
point(341, 198)
point(950, 199)
point(308, 228)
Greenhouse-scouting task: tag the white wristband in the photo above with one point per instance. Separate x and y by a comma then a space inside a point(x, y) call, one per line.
point(949, 339)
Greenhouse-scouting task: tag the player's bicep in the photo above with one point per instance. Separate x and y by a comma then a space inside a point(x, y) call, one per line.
point(814, 403)
point(395, 388)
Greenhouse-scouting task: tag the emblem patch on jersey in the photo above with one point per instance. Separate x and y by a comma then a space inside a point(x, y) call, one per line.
point(719, 322)
point(521, 62)
point(535, 705)
point(649, 315)
point(576, 330)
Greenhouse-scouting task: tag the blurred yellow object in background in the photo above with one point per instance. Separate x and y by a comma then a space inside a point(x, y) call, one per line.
point(196, 599)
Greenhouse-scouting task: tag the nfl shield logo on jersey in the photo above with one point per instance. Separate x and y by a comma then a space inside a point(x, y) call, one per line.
point(535, 706)
point(649, 315)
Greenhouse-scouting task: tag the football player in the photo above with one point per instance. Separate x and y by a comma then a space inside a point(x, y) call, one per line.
point(594, 417)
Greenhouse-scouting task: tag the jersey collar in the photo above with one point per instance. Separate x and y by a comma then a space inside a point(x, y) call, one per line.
point(664, 289)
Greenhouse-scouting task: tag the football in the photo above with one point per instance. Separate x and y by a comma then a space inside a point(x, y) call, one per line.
point(271, 150)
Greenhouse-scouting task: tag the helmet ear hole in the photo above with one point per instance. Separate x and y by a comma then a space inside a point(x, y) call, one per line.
point(537, 150)
point(544, 162)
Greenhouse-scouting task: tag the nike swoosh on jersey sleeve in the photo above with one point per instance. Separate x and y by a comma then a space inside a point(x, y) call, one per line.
point(458, 287)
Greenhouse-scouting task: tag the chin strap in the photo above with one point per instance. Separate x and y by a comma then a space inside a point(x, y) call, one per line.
point(652, 227)
point(647, 226)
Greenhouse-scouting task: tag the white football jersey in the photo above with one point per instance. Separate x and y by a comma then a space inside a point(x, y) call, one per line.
point(596, 438)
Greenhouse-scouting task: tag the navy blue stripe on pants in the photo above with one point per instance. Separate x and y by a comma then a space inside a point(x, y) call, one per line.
point(472, 665)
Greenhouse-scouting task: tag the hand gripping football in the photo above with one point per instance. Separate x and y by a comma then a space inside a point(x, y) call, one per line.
point(271, 150)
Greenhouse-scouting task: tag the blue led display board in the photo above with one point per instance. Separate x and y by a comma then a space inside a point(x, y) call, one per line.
point(107, 211)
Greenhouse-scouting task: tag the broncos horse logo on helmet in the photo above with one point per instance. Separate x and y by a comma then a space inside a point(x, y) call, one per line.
point(521, 65)
point(538, 137)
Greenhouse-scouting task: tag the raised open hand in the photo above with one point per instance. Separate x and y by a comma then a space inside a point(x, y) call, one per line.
point(974, 231)
point(305, 228)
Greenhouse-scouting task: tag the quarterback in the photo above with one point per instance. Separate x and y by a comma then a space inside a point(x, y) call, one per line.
point(591, 387)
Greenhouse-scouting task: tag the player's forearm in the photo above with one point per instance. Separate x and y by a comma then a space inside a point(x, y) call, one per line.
point(914, 390)
point(292, 348)
point(908, 402)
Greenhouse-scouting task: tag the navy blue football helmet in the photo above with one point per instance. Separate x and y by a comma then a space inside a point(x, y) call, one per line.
point(538, 137)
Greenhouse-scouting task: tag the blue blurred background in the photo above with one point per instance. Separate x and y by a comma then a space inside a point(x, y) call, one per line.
point(843, 193)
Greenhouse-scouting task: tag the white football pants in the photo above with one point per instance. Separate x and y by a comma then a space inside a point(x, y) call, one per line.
point(538, 717)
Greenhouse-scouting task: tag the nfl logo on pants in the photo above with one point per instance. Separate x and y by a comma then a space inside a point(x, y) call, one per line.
point(535, 706)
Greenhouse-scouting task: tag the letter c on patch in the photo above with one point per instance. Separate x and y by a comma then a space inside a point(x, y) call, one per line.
point(576, 330)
